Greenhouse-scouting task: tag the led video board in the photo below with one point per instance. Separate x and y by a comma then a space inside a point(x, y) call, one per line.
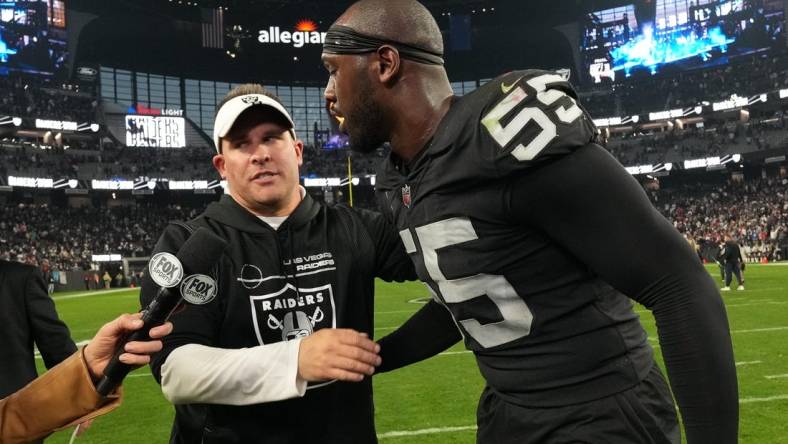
point(155, 131)
point(647, 37)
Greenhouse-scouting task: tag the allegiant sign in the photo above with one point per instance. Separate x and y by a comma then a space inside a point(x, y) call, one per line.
point(305, 33)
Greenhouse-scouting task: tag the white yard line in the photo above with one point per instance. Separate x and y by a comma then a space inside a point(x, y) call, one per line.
point(437, 430)
point(757, 303)
point(736, 304)
point(91, 293)
point(430, 431)
point(421, 300)
point(766, 399)
point(461, 352)
point(758, 330)
point(754, 330)
point(747, 363)
point(784, 375)
point(752, 290)
point(386, 328)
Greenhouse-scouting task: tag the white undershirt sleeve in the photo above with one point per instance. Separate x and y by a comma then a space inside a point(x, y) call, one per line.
point(196, 373)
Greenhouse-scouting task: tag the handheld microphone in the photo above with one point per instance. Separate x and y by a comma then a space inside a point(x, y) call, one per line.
point(197, 255)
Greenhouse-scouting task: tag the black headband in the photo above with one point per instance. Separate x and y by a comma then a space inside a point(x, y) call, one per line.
point(345, 40)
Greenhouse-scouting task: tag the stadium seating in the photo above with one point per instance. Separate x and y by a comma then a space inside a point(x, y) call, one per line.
point(755, 212)
point(755, 75)
point(30, 231)
point(31, 96)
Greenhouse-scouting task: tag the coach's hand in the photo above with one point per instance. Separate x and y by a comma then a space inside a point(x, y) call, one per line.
point(342, 354)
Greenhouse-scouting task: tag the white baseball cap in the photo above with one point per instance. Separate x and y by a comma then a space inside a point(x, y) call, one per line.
point(229, 112)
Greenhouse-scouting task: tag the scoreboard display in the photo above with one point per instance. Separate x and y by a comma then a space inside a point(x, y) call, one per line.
point(155, 131)
point(648, 36)
point(33, 37)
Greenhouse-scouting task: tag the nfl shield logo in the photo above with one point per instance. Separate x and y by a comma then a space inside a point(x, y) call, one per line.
point(406, 196)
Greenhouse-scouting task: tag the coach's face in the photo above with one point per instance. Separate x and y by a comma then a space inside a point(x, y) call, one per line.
point(351, 97)
point(260, 160)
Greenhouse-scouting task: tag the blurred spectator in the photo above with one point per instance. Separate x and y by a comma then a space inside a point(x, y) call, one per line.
point(68, 237)
point(36, 97)
point(27, 317)
point(756, 212)
point(752, 75)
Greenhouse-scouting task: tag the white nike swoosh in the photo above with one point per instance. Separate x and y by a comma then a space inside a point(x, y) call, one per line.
point(506, 88)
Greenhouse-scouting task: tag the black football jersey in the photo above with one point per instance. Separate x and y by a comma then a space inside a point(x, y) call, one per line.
point(545, 330)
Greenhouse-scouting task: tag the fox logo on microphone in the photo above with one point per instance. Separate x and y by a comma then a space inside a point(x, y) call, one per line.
point(165, 269)
point(198, 289)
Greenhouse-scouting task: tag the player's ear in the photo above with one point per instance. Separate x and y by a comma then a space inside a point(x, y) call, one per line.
point(218, 163)
point(298, 145)
point(389, 63)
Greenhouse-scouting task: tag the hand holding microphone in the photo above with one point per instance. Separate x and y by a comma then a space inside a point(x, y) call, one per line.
point(101, 348)
point(197, 255)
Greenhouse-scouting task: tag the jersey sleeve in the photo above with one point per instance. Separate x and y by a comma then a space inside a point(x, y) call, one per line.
point(587, 203)
point(532, 116)
point(428, 332)
point(192, 324)
point(392, 262)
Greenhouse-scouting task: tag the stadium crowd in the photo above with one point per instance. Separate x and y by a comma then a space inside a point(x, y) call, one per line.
point(754, 212)
point(712, 139)
point(68, 237)
point(756, 75)
point(34, 97)
point(88, 160)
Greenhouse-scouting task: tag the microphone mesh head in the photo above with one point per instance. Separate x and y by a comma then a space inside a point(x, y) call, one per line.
point(201, 251)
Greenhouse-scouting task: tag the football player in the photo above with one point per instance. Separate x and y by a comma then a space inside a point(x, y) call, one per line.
point(531, 239)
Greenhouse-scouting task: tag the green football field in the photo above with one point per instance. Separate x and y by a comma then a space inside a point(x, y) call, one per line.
point(435, 401)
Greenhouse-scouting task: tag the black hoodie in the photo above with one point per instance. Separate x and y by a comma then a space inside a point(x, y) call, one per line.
point(317, 270)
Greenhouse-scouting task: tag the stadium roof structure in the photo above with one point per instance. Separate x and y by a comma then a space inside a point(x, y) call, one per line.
point(530, 11)
point(163, 36)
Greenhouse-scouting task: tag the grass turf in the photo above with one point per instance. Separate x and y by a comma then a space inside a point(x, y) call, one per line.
point(434, 402)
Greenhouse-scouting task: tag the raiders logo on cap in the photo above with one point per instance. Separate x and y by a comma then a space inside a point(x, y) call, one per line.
point(225, 117)
point(250, 100)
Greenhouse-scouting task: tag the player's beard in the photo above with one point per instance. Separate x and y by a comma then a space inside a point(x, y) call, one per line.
point(365, 123)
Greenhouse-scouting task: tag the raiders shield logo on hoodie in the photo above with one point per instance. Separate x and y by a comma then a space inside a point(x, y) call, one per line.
point(292, 313)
